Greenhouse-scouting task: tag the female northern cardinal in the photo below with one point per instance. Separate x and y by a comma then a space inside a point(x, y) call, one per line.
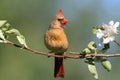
point(55, 40)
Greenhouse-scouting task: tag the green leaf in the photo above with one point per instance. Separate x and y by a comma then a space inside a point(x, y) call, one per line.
point(91, 48)
point(93, 71)
point(106, 64)
point(2, 22)
point(105, 48)
point(2, 38)
point(94, 30)
point(21, 39)
point(6, 27)
point(13, 31)
point(92, 45)
point(86, 51)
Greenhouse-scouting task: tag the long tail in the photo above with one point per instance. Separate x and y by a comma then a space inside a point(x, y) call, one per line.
point(59, 68)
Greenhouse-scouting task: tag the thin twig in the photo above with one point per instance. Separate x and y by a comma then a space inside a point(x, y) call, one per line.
point(77, 56)
point(117, 43)
point(37, 52)
point(75, 53)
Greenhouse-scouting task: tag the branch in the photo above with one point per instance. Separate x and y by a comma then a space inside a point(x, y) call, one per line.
point(76, 56)
point(117, 43)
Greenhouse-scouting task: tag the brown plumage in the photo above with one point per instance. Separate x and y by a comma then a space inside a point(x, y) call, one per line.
point(56, 41)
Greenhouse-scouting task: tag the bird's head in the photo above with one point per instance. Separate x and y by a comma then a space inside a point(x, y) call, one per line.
point(60, 17)
point(59, 21)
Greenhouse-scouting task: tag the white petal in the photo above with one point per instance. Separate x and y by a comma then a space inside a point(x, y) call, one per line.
point(106, 40)
point(112, 38)
point(116, 24)
point(111, 23)
point(115, 31)
point(100, 33)
point(106, 28)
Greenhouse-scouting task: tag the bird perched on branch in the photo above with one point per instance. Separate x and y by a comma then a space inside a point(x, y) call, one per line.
point(56, 41)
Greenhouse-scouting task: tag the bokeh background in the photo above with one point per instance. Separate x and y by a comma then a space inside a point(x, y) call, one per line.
point(32, 18)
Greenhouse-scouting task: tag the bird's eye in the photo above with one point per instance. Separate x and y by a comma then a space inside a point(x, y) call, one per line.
point(60, 19)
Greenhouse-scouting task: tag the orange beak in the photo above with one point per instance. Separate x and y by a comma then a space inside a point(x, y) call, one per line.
point(64, 21)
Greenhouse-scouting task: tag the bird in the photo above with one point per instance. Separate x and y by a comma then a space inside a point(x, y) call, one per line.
point(56, 41)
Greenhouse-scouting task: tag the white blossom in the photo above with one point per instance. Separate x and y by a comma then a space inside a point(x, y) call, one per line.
point(108, 32)
point(100, 33)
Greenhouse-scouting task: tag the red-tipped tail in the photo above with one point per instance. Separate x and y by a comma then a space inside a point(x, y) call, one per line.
point(59, 68)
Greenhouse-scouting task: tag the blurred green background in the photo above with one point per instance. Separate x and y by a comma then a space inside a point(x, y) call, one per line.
point(32, 18)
